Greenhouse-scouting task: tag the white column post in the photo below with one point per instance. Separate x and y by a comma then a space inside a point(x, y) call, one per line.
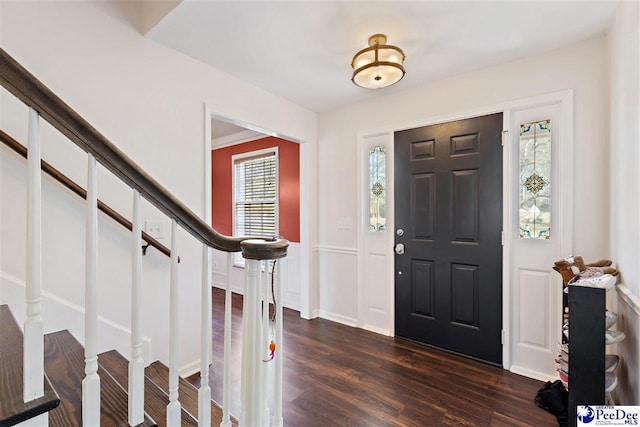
point(204, 393)
point(251, 357)
point(226, 379)
point(264, 344)
point(33, 355)
point(136, 365)
point(91, 381)
point(277, 398)
point(174, 410)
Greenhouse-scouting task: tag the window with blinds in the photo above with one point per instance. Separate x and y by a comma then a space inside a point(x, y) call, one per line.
point(256, 194)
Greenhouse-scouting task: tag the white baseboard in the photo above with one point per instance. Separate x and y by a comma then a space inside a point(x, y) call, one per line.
point(338, 318)
point(223, 286)
point(189, 369)
point(540, 376)
point(240, 291)
point(381, 331)
point(313, 315)
point(60, 314)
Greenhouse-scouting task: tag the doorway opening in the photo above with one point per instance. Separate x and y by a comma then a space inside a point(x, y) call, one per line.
point(237, 152)
point(530, 288)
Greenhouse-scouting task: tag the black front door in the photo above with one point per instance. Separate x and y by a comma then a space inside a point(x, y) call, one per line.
point(448, 204)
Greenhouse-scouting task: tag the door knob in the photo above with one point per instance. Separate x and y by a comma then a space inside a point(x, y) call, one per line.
point(399, 249)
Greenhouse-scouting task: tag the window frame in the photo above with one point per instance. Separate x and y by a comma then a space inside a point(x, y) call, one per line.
point(243, 157)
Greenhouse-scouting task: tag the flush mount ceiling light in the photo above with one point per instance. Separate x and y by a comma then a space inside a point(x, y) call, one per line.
point(379, 65)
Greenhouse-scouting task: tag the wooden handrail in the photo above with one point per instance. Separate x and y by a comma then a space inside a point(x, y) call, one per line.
point(77, 189)
point(22, 84)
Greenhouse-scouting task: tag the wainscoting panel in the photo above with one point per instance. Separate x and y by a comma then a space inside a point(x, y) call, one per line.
point(376, 303)
point(536, 327)
point(337, 278)
point(534, 309)
point(290, 270)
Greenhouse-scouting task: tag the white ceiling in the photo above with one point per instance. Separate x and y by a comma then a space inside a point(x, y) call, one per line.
point(302, 50)
point(220, 129)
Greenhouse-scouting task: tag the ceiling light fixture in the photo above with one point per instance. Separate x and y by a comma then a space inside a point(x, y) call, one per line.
point(379, 65)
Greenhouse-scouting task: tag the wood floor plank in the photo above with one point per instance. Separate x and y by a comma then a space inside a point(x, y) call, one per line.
point(342, 376)
point(155, 400)
point(64, 363)
point(188, 393)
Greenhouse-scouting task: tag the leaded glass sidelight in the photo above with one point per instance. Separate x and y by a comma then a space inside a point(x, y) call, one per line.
point(535, 175)
point(377, 188)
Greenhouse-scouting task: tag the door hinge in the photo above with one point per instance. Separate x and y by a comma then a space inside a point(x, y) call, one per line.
point(502, 336)
point(502, 238)
point(505, 133)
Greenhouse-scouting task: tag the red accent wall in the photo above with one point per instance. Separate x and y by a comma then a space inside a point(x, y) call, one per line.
point(289, 192)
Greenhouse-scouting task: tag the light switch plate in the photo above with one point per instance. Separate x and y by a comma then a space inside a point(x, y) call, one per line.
point(156, 229)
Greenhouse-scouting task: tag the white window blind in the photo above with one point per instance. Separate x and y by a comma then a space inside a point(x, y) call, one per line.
point(256, 195)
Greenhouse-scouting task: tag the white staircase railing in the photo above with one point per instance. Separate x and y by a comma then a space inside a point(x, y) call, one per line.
point(91, 381)
point(257, 389)
point(204, 393)
point(33, 364)
point(226, 379)
point(173, 408)
point(136, 364)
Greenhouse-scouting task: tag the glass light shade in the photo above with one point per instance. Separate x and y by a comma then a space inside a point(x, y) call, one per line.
point(379, 65)
point(378, 76)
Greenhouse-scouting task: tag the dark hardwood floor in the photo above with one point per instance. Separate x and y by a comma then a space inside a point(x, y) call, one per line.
point(335, 375)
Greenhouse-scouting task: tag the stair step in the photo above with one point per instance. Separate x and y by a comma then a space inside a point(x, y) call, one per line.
point(155, 399)
point(12, 408)
point(64, 363)
point(159, 374)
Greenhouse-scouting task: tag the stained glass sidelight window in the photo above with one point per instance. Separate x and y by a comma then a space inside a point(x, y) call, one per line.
point(377, 188)
point(535, 179)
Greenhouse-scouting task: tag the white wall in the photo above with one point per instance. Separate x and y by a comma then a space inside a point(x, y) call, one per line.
point(580, 67)
point(624, 138)
point(149, 101)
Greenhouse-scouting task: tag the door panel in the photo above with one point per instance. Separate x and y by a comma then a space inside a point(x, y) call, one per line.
point(423, 288)
point(448, 196)
point(464, 290)
point(464, 209)
point(423, 195)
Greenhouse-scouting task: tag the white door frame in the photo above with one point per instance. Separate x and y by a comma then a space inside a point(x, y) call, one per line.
point(510, 180)
point(307, 310)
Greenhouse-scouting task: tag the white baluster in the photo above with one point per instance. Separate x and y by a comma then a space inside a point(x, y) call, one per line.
point(136, 365)
point(277, 399)
point(173, 408)
point(204, 393)
point(264, 344)
point(251, 339)
point(226, 379)
point(91, 381)
point(33, 355)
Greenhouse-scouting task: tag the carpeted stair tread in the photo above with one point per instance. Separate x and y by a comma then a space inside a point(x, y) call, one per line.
point(188, 394)
point(64, 363)
point(12, 408)
point(155, 399)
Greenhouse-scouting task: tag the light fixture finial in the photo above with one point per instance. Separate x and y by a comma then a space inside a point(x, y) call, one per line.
point(378, 39)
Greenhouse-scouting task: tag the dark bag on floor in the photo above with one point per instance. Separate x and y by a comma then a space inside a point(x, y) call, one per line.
point(554, 398)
